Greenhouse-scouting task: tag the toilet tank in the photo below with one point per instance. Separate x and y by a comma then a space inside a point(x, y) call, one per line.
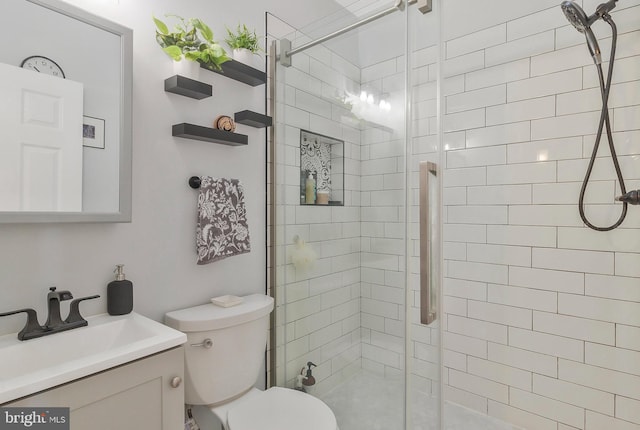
point(231, 366)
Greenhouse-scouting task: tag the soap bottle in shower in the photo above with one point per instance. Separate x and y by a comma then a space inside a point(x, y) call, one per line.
point(119, 294)
point(310, 190)
point(309, 380)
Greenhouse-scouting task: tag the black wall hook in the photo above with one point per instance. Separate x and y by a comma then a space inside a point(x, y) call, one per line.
point(194, 182)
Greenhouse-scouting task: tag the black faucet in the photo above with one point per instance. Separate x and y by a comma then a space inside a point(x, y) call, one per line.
point(54, 323)
point(54, 320)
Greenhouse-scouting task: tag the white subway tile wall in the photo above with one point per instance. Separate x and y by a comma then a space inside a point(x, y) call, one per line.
point(542, 315)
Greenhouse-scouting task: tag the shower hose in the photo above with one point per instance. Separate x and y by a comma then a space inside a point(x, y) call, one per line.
point(605, 123)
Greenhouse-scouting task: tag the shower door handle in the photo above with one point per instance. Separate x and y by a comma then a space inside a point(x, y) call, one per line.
point(428, 311)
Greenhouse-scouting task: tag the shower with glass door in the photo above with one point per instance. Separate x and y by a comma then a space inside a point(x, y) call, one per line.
point(437, 256)
point(348, 166)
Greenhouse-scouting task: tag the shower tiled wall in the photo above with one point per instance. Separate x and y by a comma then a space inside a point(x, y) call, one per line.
point(542, 324)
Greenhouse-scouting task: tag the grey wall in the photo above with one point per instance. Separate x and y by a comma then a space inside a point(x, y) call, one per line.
point(158, 247)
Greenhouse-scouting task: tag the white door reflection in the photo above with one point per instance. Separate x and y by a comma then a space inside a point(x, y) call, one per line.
point(40, 142)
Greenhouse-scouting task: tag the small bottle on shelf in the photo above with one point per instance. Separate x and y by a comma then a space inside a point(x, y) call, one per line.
point(310, 190)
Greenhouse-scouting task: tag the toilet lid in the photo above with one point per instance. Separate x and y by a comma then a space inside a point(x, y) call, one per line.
point(282, 409)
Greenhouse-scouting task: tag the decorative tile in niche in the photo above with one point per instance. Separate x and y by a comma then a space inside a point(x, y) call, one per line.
point(322, 160)
point(315, 157)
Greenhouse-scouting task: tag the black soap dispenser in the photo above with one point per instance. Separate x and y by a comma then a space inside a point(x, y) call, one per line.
point(119, 294)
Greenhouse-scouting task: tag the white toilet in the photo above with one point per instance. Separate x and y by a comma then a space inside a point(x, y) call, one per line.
point(223, 357)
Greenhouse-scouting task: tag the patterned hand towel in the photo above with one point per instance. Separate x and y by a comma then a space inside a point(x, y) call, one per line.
point(222, 229)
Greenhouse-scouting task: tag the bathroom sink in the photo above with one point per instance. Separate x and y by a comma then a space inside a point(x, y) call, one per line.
point(27, 367)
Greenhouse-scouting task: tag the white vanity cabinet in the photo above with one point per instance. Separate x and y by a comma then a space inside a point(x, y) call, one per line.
point(141, 395)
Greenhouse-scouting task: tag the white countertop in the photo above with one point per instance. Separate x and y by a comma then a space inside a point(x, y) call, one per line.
point(27, 367)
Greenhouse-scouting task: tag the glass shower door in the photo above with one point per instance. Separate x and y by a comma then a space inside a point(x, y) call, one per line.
point(424, 220)
point(347, 271)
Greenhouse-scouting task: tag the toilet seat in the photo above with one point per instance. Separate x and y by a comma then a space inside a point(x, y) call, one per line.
point(281, 409)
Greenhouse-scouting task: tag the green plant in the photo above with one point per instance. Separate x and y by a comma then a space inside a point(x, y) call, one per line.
point(243, 38)
point(191, 39)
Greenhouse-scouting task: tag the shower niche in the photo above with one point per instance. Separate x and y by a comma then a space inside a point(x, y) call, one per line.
point(321, 170)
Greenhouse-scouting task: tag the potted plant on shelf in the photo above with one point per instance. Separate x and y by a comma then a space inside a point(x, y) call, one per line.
point(190, 44)
point(244, 43)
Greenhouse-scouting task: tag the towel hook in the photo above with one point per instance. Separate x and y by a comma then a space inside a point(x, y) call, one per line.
point(194, 182)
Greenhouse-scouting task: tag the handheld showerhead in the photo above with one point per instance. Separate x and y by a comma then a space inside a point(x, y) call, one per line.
point(583, 23)
point(579, 19)
point(575, 15)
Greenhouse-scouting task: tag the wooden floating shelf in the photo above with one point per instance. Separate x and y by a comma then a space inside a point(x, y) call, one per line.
point(240, 72)
point(207, 134)
point(188, 87)
point(253, 119)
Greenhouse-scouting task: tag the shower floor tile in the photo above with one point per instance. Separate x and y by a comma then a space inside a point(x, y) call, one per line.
point(371, 402)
